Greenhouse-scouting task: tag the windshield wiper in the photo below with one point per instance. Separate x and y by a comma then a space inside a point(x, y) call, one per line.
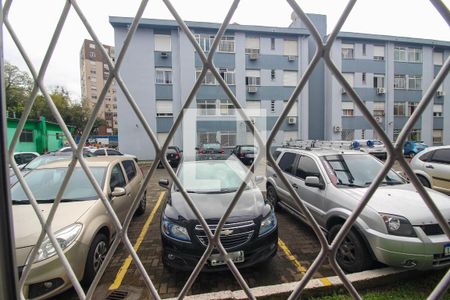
point(351, 185)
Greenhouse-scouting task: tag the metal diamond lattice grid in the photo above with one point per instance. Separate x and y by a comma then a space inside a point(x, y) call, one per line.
point(322, 52)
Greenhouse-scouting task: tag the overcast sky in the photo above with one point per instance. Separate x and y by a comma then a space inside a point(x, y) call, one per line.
point(34, 23)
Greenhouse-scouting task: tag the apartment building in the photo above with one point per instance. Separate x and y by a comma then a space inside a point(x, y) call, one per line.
point(94, 72)
point(262, 66)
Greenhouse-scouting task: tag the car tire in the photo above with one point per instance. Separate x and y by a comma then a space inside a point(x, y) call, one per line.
point(424, 181)
point(272, 196)
point(352, 255)
point(96, 255)
point(140, 210)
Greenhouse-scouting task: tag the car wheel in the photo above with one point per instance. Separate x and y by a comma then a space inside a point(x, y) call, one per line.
point(272, 196)
point(96, 256)
point(352, 254)
point(142, 205)
point(424, 181)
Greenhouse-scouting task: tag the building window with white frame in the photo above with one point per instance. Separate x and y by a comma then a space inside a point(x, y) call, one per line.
point(92, 46)
point(226, 108)
point(253, 108)
point(252, 45)
point(164, 108)
point(209, 78)
point(437, 137)
point(399, 109)
point(253, 77)
point(293, 112)
point(400, 81)
point(350, 78)
point(205, 41)
point(206, 107)
point(228, 138)
point(163, 76)
point(163, 43)
point(405, 54)
point(226, 44)
point(228, 75)
point(415, 55)
point(347, 51)
point(415, 135)
point(401, 54)
point(378, 109)
point(437, 110)
point(412, 107)
point(414, 82)
point(290, 47)
point(347, 109)
point(378, 80)
point(438, 58)
point(290, 78)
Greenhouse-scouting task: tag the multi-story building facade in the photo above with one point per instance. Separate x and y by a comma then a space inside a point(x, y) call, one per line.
point(262, 66)
point(94, 72)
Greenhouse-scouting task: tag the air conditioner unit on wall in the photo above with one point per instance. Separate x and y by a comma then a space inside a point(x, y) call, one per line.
point(253, 120)
point(292, 120)
point(381, 90)
point(253, 56)
point(164, 54)
point(291, 57)
point(252, 89)
point(440, 93)
point(337, 129)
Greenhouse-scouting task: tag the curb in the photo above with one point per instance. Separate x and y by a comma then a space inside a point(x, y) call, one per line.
point(365, 279)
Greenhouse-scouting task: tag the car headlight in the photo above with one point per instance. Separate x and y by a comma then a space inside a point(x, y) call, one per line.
point(398, 225)
point(65, 238)
point(174, 231)
point(267, 224)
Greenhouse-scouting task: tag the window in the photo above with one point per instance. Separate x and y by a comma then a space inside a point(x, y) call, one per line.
point(162, 42)
point(415, 135)
point(293, 111)
point(364, 50)
point(206, 107)
point(290, 47)
point(93, 72)
point(364, 78)
point(399, 109)
point(252, 77)
point(287, 162)
point(113, 152)
point(378, 80)
point(253, 108)
point(209, 78)
point(415, 55)
point(251, 45)
point(205, 41)
point(290, 78)
point(378, 52)
point(91, 54)
point(404, 54)
point(437, 110)
point(441, 156)
point(163, 76)
point(228, 139)
point(226, 44)
point(349, 77)
point(272, 43)
point(272, 74)
point(228, 75)
point(164, 108)
point(415, 82)
point(117, 178)
point(92, 46)
point(378, 109)
point(100, 152)
point(226, 108)
point(26, 136)
point(307, 167)
point(400, 82)
point(437, 136)
point(207, 137)
point(130, 169)
point(427, 156)
point(347, 109)
point(412, 107)
point(438, 58)
point(347, 51)
point(400, 54)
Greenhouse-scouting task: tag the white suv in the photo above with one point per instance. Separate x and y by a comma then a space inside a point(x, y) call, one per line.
point(395, 228)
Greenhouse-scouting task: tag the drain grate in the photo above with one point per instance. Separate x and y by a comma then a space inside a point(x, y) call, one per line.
point(117, 295)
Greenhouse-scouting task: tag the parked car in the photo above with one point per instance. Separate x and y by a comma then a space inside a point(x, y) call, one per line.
point(173, 155)
point(22, 158)
point(210, 151)
point(246, 153)
point(110, 152)
point(395, 228)
point(432, 167)
point(373, 147)
point(69, 149)
point(411, 148)
point(250, 234)
point(81, 224)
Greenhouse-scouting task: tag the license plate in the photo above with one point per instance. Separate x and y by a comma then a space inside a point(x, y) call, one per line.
point(218, 260)
point(250, 155)
point(447, 250)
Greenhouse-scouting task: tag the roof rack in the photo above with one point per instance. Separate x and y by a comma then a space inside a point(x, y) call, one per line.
point(309, 144)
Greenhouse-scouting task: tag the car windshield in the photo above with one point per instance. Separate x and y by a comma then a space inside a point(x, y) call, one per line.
point(358, 170)
point(212, 177)
point(42, 160)
point(211, 146)
point(45, 184)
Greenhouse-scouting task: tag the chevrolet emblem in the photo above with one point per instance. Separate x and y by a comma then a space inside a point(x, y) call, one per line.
point(226, 232)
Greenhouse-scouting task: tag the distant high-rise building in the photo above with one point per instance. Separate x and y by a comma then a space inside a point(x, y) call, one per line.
point(94, 72)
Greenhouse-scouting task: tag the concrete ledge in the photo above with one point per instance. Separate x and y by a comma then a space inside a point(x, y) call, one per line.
point(314, 287)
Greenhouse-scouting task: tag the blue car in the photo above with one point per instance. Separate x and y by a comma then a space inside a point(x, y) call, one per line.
point(411, 148)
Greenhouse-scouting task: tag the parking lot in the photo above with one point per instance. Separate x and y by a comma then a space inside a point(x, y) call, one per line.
point(297, 249)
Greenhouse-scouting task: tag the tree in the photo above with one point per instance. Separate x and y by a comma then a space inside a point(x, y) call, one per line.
point(18, 87)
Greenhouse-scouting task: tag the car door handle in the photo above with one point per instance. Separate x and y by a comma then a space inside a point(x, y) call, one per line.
point(429, 167)
point(295, 185)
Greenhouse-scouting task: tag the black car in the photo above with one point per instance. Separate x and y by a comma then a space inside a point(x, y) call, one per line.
point(246, 153)
point(250, 234)
point(210, 151)
point(173, 155)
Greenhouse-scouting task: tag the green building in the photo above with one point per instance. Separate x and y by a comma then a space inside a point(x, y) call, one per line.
point(37, 135)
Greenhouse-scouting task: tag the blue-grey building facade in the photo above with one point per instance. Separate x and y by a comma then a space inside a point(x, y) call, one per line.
point(262, 65)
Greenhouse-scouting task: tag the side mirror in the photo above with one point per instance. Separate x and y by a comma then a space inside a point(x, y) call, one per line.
point(164, 183)
point(118, 191)
point(314, 181)
point(259, 179)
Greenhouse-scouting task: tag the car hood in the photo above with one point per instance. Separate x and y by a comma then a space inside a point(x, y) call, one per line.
point(26, 224)
point(212, 206)
point(405, 201)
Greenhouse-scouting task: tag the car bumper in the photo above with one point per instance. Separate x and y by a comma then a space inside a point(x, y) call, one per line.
point(185, 256)
point(52, 272)
point(422, 253)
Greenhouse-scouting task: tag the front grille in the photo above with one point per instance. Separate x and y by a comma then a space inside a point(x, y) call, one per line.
point(234, 234)
point(440, 260)
point(432, 229)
